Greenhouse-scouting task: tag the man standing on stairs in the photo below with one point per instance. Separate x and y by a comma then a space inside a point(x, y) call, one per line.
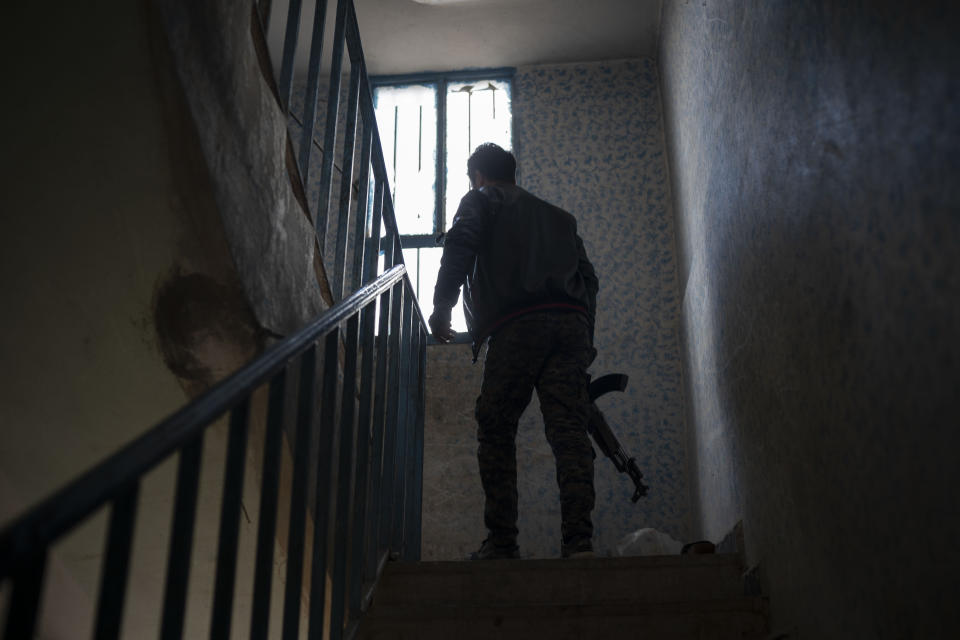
point(530, 291)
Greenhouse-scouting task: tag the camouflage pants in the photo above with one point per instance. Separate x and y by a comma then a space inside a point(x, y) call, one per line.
point(550, 352)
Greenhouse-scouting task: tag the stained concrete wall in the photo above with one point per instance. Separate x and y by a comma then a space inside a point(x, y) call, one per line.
point(814, 153)
point(152, 243)
point(589, 138)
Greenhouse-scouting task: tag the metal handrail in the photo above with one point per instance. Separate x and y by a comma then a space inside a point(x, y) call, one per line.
point(25, 544)
point(58, 513)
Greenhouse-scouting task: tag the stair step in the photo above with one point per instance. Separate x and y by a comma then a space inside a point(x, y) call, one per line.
point(609, 581)
point(731, 619)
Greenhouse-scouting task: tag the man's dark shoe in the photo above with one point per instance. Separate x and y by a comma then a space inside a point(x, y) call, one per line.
point(490, 551)
point(578, 550)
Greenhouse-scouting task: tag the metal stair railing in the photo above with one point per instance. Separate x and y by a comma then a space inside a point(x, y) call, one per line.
point(359, 130)
point(373, 503)
point(371, 405)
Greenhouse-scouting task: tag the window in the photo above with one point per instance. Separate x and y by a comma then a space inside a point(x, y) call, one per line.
point(429, 126)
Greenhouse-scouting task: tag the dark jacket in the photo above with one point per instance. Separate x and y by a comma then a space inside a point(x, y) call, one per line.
point(513, 253)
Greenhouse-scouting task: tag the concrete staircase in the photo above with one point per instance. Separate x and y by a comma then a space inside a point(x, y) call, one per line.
point(693, 597)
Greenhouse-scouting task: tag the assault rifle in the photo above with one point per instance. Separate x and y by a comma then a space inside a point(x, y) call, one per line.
point(600, 430)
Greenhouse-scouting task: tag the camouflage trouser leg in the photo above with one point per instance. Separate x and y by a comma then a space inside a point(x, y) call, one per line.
point(549, 351)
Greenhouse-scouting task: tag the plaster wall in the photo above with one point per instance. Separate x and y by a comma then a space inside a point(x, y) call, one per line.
point(813, 151)
point(588, 138)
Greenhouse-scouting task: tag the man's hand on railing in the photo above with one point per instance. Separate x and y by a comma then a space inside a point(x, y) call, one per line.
point(440, 325)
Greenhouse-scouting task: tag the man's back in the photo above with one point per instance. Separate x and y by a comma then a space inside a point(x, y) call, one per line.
point(513, 253)
point(529, 257)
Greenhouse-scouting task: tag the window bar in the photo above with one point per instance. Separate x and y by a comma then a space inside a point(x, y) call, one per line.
point(323, 492)
point(345, 467)
point(362, 481)
point(469, 122)
point(417, 289)
point(379, 416)
point(267, 525)
point(298, 494)
point(390, 420)
point(226, 571)
point(116, 564)
point(400, 424)
point(313, 89)
point(362, 212)
point(289, 50)
point(24, 602)
point(181, 540)
point(346, 184)
point(439, 211)
point(396, 126)
point(330, 133)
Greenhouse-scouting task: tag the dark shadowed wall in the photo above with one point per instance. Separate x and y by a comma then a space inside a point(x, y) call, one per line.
point(814, 153)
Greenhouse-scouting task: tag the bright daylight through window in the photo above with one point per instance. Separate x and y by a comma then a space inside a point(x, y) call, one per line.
point(426, 145)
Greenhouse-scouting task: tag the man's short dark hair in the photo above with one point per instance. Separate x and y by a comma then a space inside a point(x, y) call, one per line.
point(493, 162)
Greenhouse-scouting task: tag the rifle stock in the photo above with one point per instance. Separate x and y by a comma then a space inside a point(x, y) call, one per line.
point(603, 436)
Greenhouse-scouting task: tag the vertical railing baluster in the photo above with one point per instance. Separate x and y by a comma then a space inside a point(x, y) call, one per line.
point(289, 51)
point(413, 408)
point(362, 215)
point(24, 604)
point(230, 507)
point(345, 469)
point(390, 421)
point(370, 394)
point(330, 133)
point(181, 540)
point(298, 494)
point(418, 463)
point(265, 7)
point(401, 423)
point(361, 484)
point(381, 393)
point(116, 564)
point(313, 89)
point(267, 525)
point(346, 184)
point(322, 491)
